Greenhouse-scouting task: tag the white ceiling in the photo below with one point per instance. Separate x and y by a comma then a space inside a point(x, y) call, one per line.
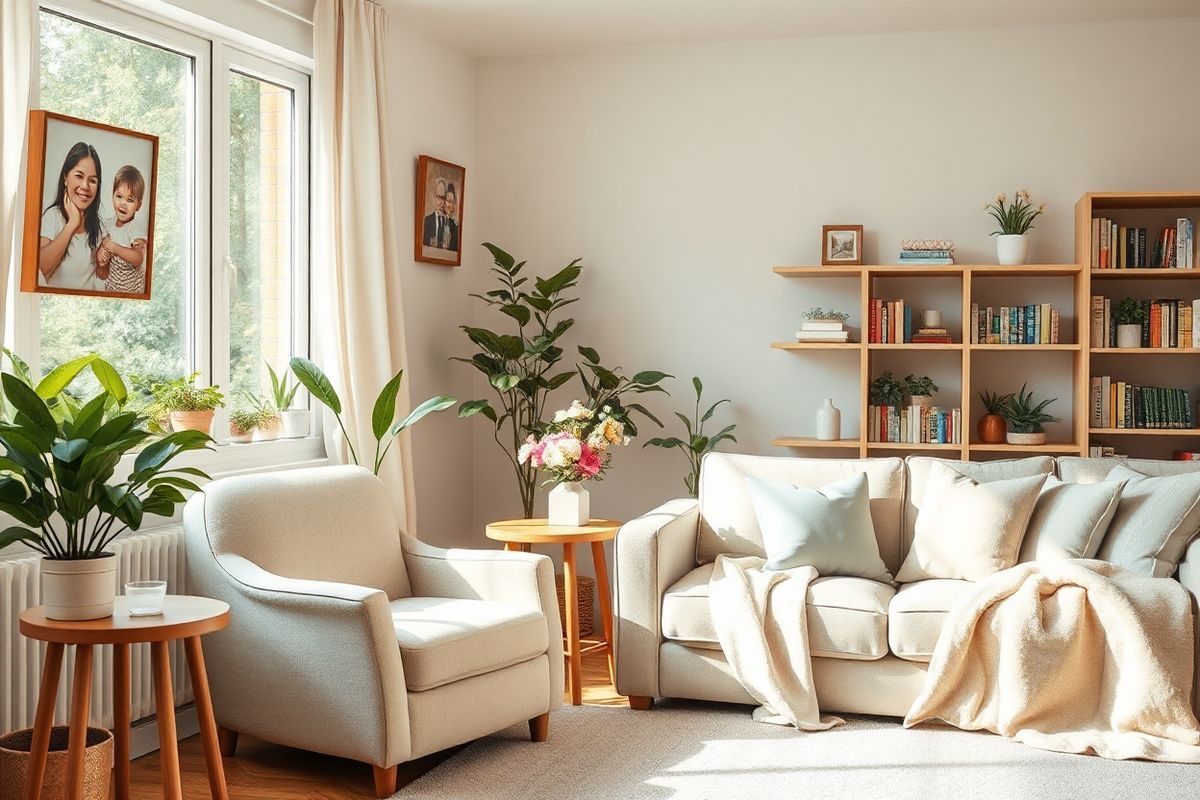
point(506, 27)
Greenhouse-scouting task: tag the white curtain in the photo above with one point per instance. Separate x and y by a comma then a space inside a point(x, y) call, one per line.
point(358, 331)
point(16, 60)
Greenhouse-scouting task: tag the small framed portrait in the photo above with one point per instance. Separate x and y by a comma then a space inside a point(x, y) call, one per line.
point(439, 211)
point(89, 208)
point(841, 244)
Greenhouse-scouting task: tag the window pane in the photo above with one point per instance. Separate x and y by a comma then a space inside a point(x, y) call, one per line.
point(260, 230)
point(145, 88)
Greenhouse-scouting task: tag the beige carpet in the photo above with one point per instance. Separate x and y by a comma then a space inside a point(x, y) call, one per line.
point(685, 750)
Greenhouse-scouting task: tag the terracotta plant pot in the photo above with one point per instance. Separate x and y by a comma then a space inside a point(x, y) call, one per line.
point(1026, 438)
point(77, 589)
point(239, 436)
point(992, 428)
point(97, 764)
point(268, 431)
point(192, 421)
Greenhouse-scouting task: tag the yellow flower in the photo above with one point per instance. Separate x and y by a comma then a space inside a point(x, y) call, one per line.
point(1041, 207)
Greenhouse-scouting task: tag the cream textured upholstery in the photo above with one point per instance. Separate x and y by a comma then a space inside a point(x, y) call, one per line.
point(353, 639)
point(916, 615)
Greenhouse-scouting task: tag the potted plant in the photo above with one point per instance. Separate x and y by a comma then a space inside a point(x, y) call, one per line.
point(283, 393)
point(57, 480)
point(886, 391)
point(819, 314)
point(1025, 419)
point(696, 445)
point(920, 390)
point(241, 425)
point(1015, 221)
point(992, 425)
point(188, 407)
point(268, 423)
point(1128, 319)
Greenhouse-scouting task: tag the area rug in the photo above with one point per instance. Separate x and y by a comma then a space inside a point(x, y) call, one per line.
point(701, 750)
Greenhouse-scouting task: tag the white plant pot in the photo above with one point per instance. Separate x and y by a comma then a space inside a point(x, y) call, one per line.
point(1026, 438)
point(1012, 248)
point(829, 422)
point(295, 423)
point(570, 504)
point(237, 436)
point(1129, 336)
point(268, 432)
point(79, 589)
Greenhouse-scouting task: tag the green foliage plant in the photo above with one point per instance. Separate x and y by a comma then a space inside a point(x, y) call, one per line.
point(696, 445)
point(919, 387)
point(245, 419)
point(182, 394)
point(886, 390)
point(830, 315)
point(1024, 416)
point(1128, 312)
point(1015, 218)
point(994, 402)
point(283, 392)
point(60, 458)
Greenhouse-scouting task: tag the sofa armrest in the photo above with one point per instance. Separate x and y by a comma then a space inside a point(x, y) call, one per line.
point(652, 552)
point(1189, 576)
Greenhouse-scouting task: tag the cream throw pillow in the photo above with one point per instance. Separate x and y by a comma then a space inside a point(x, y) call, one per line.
point(1070, 519)
point(829, 528)
point(1155, 521)
point(966, 529)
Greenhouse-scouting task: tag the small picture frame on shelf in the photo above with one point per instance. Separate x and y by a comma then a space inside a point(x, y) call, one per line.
point(841, 245)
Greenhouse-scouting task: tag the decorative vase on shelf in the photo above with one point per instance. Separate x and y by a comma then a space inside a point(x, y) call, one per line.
point(1012, 249)
point(829, 422)
point(1129, 336)
point(569, 504)
point(992, 429)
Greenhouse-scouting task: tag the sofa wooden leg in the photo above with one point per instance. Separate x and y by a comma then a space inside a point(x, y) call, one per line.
point(539, 728)
point(227, 741)
point(385, 780)
point(639, 703)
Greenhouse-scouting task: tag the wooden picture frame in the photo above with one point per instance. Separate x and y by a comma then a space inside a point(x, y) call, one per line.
point(834, 241)
point(438, 228)
point(114, 223)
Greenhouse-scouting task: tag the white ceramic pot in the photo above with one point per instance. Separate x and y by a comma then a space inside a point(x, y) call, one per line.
point(570, 504)
point(295, 423)
point(829, 422)
point(239, 436)
point(268, 432)
point(922, 400)
point(1012, 248)
point(1026, 438)
point(192, 421)
point(1129, 336)
point(79, 589)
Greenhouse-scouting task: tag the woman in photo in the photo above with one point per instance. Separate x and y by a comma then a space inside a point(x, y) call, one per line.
point(71, 229)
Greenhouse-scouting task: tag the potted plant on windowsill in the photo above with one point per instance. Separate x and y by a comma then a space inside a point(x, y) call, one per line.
point(57, 479)
point(283, 393)
point(188, 407)
point(241, 425)
point(1128, 319)
point(1026, 420)
point(920, 390)
point(992, 425)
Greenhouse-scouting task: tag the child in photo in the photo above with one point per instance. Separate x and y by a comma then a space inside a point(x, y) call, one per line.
point(121, 258)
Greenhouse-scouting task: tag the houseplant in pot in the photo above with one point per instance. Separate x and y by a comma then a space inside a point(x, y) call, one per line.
point(1026, 419)
point(695, 445)
point(267, 422)
point(920, 390)
point(283, 394)
point(57, 479)
point(1015, 221)
point(1128, 319)
point(188, 407)
point(992, 425)
point(242, 423)
point(886, 391)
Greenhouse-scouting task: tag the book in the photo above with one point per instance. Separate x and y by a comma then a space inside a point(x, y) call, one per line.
point(822, 336)
point(926, 253)
point(932, 261)
point(821, 325)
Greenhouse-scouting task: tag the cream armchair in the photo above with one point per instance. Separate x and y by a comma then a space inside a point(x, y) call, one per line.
point(354, 639)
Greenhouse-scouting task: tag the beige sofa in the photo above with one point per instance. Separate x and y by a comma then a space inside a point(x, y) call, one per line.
point(871, 642)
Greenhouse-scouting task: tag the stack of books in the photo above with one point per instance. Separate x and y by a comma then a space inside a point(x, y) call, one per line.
point(890, 322)
point(1119, 247)
point(914, 424)
point(1167, 323)
point(1101, 451)
point(927, 251)
point(1118, 404)
point(932, 336)
point(820, 330)
point(1187, 455)
point(1032, 324)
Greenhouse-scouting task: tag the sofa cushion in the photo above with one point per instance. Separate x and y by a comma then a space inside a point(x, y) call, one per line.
point(1155, 520)
point(443, 640)
point(917, 612)
point(847, 617)
point(1074, 469)
point(1070, 519)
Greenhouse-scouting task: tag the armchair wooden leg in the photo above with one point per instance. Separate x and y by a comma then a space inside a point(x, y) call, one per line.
point(385, 780)
point(539, 728)
point(227, 741)
point(640, 703)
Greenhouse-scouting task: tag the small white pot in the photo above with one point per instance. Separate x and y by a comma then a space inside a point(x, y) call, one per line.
point(1026, 438)
point(268, 432)
point(79, 589)
point(570, 504)
point(1129, 336)
point(295, 423)
point(1012, 248)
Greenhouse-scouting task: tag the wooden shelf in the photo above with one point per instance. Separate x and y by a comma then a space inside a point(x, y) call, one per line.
point(817, 345)
point(1156, 273)
point(819, 272)
point(914, 346)
point(1048, 447)
point(1046, 270)
point(1145, 431)
point(915, 270)
point(1117, 201)
point(1158, 351)
point(911, 446)
point(808, 441)
point(1017, 348)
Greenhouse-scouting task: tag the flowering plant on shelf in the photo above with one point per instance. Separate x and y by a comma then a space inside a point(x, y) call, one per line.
point(575, 445)
point(1015, 218)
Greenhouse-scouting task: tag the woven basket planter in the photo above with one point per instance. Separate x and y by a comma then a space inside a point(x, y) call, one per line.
point(587, 591)
point(97, 764)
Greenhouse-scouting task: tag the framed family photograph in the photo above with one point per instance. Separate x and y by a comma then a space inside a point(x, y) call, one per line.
point(439, 211)
point(841, 245)
point(89, 208)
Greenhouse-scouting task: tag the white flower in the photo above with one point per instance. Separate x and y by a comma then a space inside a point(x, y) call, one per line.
point(576, 410)
point(526, 449)
point(562, 452)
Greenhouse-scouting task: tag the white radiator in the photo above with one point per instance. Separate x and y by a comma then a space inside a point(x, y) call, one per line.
point(156, 555)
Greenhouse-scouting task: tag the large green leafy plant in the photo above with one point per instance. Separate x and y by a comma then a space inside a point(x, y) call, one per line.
point(696, 444)
point(57, 472)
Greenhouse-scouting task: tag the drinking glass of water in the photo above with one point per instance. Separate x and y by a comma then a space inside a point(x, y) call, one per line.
point(145, 598)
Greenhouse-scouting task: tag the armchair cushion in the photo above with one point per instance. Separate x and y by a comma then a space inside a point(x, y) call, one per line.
point(443, 640)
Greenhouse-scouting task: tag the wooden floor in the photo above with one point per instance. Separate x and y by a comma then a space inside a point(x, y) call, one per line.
point(262, 771)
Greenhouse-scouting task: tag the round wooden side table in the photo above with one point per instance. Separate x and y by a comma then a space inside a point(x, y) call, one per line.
point(521, 534)
point(183, 617)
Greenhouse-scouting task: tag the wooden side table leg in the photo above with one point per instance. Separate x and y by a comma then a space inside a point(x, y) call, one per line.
point(164, 704)
point(81, 702)
point(208, 722)
point(43, 721)
point(571, 592)
point(512, 547)
point(602, 592)
point(121, 714)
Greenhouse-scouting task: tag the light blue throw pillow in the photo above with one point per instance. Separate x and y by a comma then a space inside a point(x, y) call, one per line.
point(829, 528)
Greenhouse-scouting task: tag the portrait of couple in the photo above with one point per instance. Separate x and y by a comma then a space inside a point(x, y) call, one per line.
point(439, 211)
point(90, 208)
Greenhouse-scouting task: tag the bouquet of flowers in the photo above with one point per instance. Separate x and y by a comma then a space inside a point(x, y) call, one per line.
point(575, 445)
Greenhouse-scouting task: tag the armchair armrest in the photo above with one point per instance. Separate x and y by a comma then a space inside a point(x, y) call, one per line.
point(1189, 576)
point(652, 552)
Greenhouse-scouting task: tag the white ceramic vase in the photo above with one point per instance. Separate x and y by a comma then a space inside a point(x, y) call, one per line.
point(295, 423)
point(1026, 438)
point(1129, 336)
point(79, 588)
point(1012, 248)
point(829, 422)
point(569, 504)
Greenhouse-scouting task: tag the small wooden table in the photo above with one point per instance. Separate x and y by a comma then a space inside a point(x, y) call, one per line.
point(521, 534)
point(183, 617)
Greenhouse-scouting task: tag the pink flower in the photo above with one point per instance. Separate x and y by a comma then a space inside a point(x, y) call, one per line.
point(537, 455)
point(589, 462)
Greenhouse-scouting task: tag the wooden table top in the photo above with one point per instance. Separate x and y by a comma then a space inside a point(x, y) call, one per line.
point(183, 616)
point(540, 531)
